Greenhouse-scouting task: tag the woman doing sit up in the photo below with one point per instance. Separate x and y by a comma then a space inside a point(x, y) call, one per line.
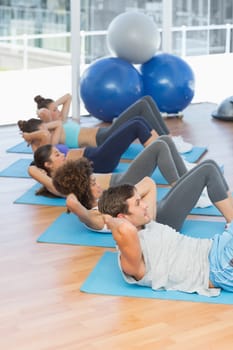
point(83, 190)
point(144, 108)
point(49, 110)
point(161, 153)
point(106, 157)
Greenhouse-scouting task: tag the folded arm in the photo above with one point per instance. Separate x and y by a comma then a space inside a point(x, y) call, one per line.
point(37, 138)
point(147, 190)
point(91, 218)
point(126, 237)
point(45, 180)
point(65, 101)
point(55, 128)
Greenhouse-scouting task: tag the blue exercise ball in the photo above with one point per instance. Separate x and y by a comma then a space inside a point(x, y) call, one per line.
point(108, 86)
point(169, 80)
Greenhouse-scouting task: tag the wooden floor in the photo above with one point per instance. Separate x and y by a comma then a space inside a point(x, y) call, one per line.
point(41, 306)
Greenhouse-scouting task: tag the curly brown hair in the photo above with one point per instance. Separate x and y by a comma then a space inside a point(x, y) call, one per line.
point(74, 177)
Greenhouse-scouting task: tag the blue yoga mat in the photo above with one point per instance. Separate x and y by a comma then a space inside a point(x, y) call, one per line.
point(30, 197)
point(107, 279)
point(21, 147)
point(133, 150)
point(17, 169)
point(67, 229)
point(20, 169)
point(192, 156)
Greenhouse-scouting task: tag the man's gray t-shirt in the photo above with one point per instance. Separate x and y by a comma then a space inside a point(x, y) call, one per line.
point(174, 261)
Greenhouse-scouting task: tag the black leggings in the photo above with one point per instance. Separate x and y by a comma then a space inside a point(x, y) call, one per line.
point(106, 157)
point(145, 109)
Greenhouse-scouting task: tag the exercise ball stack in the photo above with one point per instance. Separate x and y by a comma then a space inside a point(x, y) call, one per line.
point(169, 80)
point(111, 84)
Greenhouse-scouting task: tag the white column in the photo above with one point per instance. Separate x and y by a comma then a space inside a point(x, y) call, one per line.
point(75, 56)
point(167, 25)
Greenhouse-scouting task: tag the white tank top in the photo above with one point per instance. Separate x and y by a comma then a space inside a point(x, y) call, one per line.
point(103, 230)
point(174, 261)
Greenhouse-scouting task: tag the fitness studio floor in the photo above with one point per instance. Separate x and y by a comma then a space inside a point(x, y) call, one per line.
point(41, 305)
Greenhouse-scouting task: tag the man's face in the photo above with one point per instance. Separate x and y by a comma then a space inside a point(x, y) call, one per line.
point(137, 211)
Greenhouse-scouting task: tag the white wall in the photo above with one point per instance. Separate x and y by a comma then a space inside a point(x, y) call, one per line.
point(213, 76)
point(18, 89)
point(214, 82)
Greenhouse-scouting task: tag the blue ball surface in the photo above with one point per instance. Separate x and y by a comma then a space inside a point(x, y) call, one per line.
point(108, 86)
point(169, 80)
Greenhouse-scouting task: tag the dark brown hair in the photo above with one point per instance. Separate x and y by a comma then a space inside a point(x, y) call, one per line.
point(42, 155)
point(29, 125)
point(42, 102)
point(114, 200)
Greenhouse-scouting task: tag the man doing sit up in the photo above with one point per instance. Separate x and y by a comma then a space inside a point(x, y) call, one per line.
point(155, 254)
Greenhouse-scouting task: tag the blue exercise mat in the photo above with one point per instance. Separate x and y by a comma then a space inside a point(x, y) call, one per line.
point(30, 197)
point(21, 147)
point(192, 156)
point(67, 229)
point(20, 169)
point(133, 150)
point(106, 279)
point(17, 169)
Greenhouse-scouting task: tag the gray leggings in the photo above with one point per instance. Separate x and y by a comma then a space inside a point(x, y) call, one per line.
point(145, 108)
point(161, 153)
point(173, 209)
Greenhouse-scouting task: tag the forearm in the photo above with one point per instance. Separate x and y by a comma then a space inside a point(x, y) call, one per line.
point(38, 136)
point(147, 190)
point(65, 101)
point(91, 218)
point(40, 176)
point(55, 128)
point(53, 125)
point(126, 237)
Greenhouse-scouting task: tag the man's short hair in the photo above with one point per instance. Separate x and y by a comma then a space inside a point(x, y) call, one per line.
point(114, 200)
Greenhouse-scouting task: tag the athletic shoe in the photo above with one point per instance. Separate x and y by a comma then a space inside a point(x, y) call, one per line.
point(188, 165)
point(181, 145)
